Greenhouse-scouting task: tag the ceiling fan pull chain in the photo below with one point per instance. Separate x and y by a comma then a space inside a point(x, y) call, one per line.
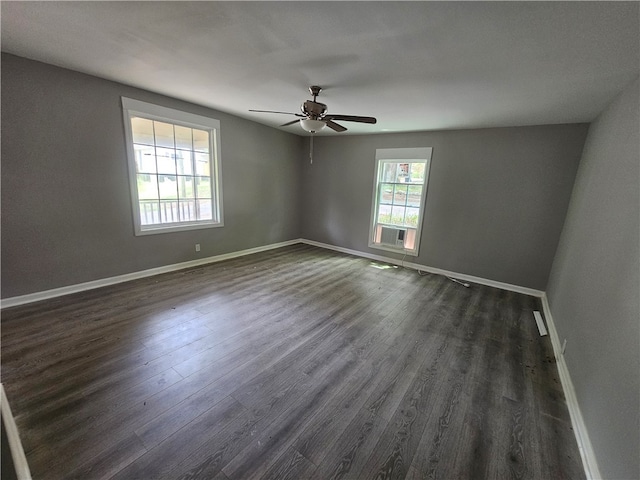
point(311, 150)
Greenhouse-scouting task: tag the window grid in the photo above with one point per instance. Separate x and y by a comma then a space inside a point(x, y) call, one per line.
point(178, 209)
point(399, 195)
point(401, 212)
point(174, 168)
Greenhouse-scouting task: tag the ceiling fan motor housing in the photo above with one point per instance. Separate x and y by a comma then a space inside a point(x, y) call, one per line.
point(313, 110)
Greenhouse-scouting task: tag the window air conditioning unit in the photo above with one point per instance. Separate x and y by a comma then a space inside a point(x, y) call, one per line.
point(393, 236)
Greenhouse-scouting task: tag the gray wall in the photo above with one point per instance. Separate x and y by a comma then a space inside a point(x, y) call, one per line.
point(66, 207)
point(496, 204)
point(496, 198)
point(594, 286)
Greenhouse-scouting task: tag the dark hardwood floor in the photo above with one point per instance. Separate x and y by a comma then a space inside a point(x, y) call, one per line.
point(288, 364)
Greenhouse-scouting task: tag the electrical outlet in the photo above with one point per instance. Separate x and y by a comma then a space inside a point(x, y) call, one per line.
point(564, 346)
point(197, 247)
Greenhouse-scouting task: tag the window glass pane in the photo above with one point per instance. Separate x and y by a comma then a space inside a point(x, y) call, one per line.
point(411, 216)
point(145, 158)
point(188, 210)
point(410, 239)
point(200, 140)
point(142, 130)
point(203, 187)
point(185, 187)
point(389, 171)
point(164, 134)
point(202, 164)
point(384, 214)
point(400, 195)
point(165, 158)
point(417, 172)
point(386, 193)
point(168, 186)
point(169, 211)
point(403, 173)
point(397, 215)
point(149, 212)
point(183, 162)
point(204, 210)
point(147, 186)
point(414, 196)
point(183, 137)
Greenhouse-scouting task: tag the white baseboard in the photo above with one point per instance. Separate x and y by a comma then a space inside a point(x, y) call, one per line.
point(103, 282)
point(437, 271)
point(20, 464)
point(584, 444)
point(589, 462)
point(81, 287)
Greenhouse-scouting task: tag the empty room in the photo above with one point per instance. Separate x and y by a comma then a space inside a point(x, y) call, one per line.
point(320, 240)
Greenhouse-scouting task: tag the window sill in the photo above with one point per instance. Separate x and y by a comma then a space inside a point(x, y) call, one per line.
point(176, 228)
point(390, 248)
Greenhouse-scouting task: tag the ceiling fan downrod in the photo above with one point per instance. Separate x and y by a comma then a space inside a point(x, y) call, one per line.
point(315, 90)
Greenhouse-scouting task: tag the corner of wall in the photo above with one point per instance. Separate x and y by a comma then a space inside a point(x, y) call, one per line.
point(587, 454)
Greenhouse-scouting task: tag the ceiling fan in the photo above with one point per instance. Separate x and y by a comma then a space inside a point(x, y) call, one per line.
point(314, 116)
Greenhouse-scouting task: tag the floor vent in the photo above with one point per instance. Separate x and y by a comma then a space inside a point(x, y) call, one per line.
point(541, 328)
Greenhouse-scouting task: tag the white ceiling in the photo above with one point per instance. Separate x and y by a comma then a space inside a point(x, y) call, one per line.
point(413, 65)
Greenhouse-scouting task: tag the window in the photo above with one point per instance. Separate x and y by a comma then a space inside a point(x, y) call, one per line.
point(174, 168)
point(399, 192)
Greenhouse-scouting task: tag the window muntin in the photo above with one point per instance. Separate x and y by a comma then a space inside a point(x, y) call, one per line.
point(400, 187)
point(174, 164)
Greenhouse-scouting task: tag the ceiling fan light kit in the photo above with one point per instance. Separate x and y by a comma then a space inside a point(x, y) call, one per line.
point(314, 115)
point(312, 126)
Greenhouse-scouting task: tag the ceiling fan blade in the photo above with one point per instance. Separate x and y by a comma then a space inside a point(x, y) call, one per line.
point(334, 126)
point(350, 118)
point(289, 123)
point(284, 113)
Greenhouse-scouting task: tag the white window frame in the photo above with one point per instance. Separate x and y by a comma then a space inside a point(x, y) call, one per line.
point(136, 108)
point(402, 155)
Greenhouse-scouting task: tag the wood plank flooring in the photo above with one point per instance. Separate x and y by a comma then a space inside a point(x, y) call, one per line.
point(295, 363)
